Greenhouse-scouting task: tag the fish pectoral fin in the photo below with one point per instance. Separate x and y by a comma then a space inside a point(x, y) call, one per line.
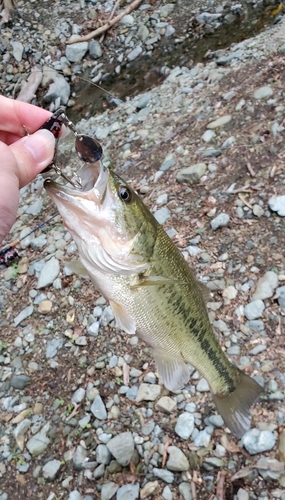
point(205, 291)
point(155, 281)
point(123, 319)
point(173, 372)
point(77, 267)
point(234, 407)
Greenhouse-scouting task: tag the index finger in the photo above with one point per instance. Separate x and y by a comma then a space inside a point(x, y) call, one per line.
point(17, 117)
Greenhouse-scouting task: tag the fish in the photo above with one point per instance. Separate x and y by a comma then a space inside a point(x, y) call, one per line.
point(153, 293)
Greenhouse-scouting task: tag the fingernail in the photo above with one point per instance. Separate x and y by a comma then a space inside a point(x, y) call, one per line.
point(41, 145)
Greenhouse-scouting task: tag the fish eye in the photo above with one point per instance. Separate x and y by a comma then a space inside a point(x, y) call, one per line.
point(125, 194)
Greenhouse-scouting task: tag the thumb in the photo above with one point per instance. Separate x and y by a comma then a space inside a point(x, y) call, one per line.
point(32, 154)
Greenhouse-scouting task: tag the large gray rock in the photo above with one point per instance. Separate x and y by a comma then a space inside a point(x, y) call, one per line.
point(277, 204)
point(76, 51)
point(122, 447)
point(257, 441)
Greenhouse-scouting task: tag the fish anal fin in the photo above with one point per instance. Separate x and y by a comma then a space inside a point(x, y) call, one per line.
point(123, 319)
point(173, 372)
point(235, 407)
point(78, 268)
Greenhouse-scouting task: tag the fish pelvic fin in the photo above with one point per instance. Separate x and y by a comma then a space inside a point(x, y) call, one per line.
point(234, 408)
point(123, 319)
point(173, 372)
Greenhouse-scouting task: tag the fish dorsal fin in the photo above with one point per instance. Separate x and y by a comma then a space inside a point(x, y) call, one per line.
point(123, 319)
point(77, 267)
point(205, 291)
point(173, 372)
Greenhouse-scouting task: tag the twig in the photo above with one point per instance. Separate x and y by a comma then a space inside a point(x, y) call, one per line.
point(164, 458)
point(6, 13)
point(193, 490)
point(250, 169)
point(106, 26)
point(242, 198)
point(28, 90)
point(220, 485)
point(126, 373)
point(74, 411)
point(109, 18)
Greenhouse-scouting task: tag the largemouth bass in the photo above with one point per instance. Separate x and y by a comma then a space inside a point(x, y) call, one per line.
point(151, 289)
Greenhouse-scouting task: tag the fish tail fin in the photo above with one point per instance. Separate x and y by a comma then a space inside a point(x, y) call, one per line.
point(235, 407)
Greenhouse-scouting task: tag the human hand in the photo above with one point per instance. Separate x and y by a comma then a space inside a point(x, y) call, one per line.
point(23, 157)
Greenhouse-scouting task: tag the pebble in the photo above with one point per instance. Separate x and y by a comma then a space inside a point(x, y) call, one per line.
point(219, 122)
point(122, 447)
point(192, 174)
point(38, 443)
point(98, 408)
point(76, 51)
point(281, 297)
point(165, 475)
point(203, 438)
point(221, 220)
point(148, 392)
point(277, 204)
point(52, 347)
point(24, 314)
point(254, 309)
point(109, 490)
point(78, 396)
point(263, 92)
point(45, 307)
point(162, 214)
point(95, 49)
point(49, 273)
point(257, 441)
point(177, 461)
point(185, 490)
point(208, 135)
point(79, 457)
point(149, 489)
point(185, 425)
point(166, 404)
point(74, 495)
point(134, 53)
point(20, 381)
point(202, 385)
point(128, 492)
point(242, 494)
point(51, 469)
point(266, 286)
point(166, 494)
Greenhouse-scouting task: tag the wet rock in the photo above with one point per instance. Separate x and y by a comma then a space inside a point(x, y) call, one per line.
point(122, 447)
point(76, 51)
point(254, 309)
point(95, 49)
point(219, 122)
point(49, 273)
point(24, 314)
point(265, 286)
point(148, 392)
point(51, 469)
point(185, 425)
point(263, 92)
point(128, 492)
point(192, 174)
point(98, 408)
point(257, 441)
point(177, 461)
point(277, 204)
point(221, 220)
point(20, 381)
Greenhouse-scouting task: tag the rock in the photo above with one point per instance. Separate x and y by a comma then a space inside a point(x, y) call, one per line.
point(242, 495)
point(134, 53)
point(24, 314)
point(185, 490)
point(162, 214)
point(221, 220)
point(51, 468)
point(78, 396)
point(38, 443)
point(192, 174)
point(254, 309)
point(269, 468)
point(93, 329)
point(185, 425)
point(52, 347)
point(18, 50)
point(143, 32)
point(219, 122)
point(216, 420)
point(122, 447)
point(263, 92)
point(45, 307)
point(214, 462)
point(177, 461)
point(95, 49)
point(98, 408)
point(281, 297)
point(165, 475)
point(170, 30)
point(58, 89)
point(166, 404)
point(108, 490)
point(128, 492)
point(257, 210)
point(167, 9)
point(74, 495)
point(281, 445)
point(103, 455)
point(76, 51)
point(148, 392)
point(265, 286)
point(49, 273)
point(20, 381)
point(149, 489)
point(20, 431)
point(277, 204)
point(167, 494)
point(143, 101)
point(203, 438)
point(208, 135)
point(79, 457)
point(35, 208)
point(257, 441)
point(203, 385)
point(207, 17)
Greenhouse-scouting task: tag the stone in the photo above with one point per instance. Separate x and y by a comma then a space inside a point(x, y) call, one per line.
point(164, 475)
point(277, 204)
point(38, 443)
point(208, 135)
point(221, 220)
point(203, 385)
point(76, 51)
point(254, 309)
point(185, 490)
point(177, 461)
point(162, 214)
point(167, 9)
point(52, 347)
point(170, 30)
point(281, 297)
point(45, 307)
point(78, 396)
point(122, 447)
point(257, 210)
point(143, 32)
point(266, 286)
point(148, 392)
point(98, 408)
point(270, 468)
point(95, 49)
point(24, 314)
point(143, 101)
point(74, 495)
point(216, 420)
point(49, 273)
point(18, 50)
point(128, 492)
point(242, 495)
point(51, 469)
point(108, 490)
point(134, 53)
point(20, 431)
point(20, 381)
point(103, 455)
point(166, 404)
point(35, 208)
point(219, 122)
point(185, 425)
point(79, 457)
point(192, 174)
point(167, 494)
point(59, 89)
point(257, 441)
point(149, 489)
point(263, 92)
point(203, 438)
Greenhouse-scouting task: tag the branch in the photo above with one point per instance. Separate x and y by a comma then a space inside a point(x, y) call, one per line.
point(106, 26)
point(28, 91)
point(8, 6)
